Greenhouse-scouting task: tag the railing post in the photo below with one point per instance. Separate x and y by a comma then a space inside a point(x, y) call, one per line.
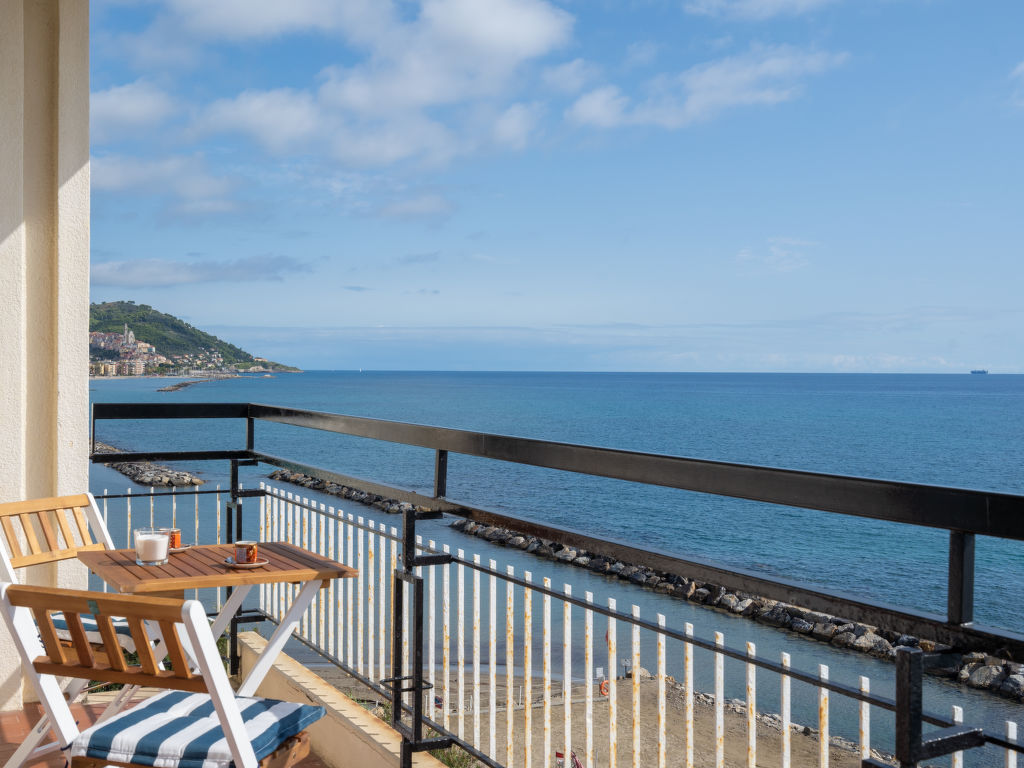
point(960, 596)
point(440, 474)
point(410, 680)
point(233, 522)
point(911, 746)
point(909, 682)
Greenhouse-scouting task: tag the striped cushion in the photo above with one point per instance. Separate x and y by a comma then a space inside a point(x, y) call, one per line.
point(181, 730)
point(92, 630)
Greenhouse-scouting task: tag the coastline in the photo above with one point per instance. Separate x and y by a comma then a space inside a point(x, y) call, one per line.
point(1000, 676)
point(804, 740)
point(147, 473)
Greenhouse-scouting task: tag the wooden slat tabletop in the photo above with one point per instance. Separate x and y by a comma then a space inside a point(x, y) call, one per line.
point(203, 566)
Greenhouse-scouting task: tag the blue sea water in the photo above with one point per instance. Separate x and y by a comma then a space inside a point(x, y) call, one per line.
point(965, 431)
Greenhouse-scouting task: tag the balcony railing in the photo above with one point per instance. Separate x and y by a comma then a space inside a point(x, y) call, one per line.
point(354, 627)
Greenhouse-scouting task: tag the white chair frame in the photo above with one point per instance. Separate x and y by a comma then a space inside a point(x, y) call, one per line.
point(185, 634)
point(49, 530)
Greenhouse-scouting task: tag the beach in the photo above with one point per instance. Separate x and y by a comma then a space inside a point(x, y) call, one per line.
point(804, 742)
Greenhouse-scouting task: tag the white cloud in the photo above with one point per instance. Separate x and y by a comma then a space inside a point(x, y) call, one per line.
point(183, 178)
point(244, 19)
point(126, 109)
point(570, 76)
point(604, 107)
point(418, 93)
point(513, 127)
point(280, 119)
point(167, 272)
point(753, 9)
point(763, 75)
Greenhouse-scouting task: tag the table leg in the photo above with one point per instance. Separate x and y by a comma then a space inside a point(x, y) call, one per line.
point(276, 642)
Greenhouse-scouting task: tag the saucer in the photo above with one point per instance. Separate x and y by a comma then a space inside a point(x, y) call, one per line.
point(230, 563)
point(176, 550)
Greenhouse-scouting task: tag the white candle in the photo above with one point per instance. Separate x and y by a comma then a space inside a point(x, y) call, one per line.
point(151, 547)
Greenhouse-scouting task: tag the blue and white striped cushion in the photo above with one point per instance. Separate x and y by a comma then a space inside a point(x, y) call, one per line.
point(92, 630)
point(181, 730)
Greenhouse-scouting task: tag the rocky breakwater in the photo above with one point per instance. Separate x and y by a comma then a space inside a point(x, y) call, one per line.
point(977, 670)
point(147, 473)
point(391, 506)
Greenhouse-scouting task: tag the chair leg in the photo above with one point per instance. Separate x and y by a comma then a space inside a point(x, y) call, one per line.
point(27, 751)
point(294, 749)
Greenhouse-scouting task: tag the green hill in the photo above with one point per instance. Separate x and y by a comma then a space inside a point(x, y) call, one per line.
point(170, 335)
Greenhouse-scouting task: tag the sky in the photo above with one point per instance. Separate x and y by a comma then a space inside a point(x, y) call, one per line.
point(598, 185)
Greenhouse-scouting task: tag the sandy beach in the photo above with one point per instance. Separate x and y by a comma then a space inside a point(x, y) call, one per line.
point(804, 745)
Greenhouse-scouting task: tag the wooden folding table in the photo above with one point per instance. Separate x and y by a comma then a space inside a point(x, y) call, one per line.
point(203, 566)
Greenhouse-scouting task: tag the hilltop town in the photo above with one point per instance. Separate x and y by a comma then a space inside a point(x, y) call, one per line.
point(128, 339)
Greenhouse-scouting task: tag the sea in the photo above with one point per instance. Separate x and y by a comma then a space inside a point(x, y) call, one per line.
point(951, 430)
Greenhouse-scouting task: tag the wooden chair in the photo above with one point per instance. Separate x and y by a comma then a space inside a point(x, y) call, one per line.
point(49, 530)
point(197, 722)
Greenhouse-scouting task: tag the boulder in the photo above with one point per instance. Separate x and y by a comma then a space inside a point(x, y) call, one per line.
point(801, 626)
point(742, 604)
point(700, 595)
point(517, 541)
point(988, 676)
point(843, 639)
point(616, 568)
point(717, 593)
point(533, 546)
point(874, 644)
point(565, 555)
point(728, 602)
point(1013, 687)
point(684, 590)
point(776, 616)
point(582, 561)
point(967, 669)
point(748, 607)
point(638, 576)
point(625, 571)
point(823, 631)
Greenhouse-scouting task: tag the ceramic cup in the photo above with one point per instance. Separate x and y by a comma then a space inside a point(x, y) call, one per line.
point(246, 552)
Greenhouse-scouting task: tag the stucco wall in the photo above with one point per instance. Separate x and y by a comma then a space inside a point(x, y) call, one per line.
point(348, 736)
point(44, 265)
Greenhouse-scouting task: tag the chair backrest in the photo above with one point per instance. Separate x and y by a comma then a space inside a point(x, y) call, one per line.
point(27, 610)
point(106, 663)
point(48, 530)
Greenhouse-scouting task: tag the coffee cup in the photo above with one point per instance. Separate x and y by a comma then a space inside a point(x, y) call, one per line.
point(246, 552)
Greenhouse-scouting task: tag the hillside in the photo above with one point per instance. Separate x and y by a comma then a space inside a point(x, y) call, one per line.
point(170, 335)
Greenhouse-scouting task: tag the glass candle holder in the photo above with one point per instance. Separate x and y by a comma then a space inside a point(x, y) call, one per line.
point(151, 546)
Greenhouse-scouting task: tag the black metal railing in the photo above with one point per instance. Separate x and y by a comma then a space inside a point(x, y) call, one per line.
point(964, 513)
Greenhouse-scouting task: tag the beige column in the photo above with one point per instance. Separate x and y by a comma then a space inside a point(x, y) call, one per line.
point(44, 265)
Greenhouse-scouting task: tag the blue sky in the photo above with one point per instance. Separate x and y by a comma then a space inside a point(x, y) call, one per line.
point(694, 185)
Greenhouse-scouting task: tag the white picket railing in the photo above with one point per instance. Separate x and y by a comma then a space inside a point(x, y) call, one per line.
point(350, 620)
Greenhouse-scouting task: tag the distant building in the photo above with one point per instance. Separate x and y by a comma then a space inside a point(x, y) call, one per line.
point(131, 367)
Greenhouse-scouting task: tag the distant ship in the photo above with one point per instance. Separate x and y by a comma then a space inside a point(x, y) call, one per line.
point(979, 370)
